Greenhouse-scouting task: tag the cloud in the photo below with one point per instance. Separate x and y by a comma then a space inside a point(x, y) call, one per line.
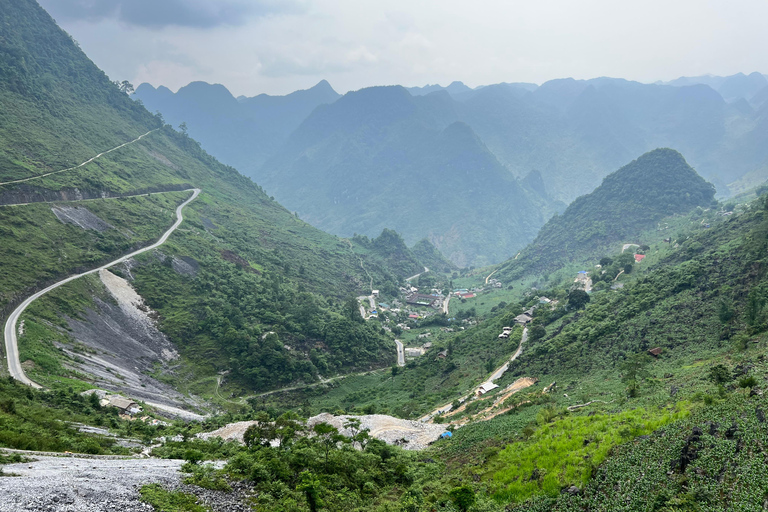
point(157, 14)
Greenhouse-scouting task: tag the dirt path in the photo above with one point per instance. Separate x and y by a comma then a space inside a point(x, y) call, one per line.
point(82, 164)
point(489, 275)
point(428, 418)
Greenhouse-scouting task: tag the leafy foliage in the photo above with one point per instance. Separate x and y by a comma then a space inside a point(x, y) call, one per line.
point(632, 199)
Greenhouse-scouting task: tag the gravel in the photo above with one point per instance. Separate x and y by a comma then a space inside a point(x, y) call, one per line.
point(411, 435)
point(70, 484)
point(78, 484)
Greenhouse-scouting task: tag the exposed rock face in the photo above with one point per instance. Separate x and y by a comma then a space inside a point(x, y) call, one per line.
point(123, 344)
point(25, 193)
point(80, 217)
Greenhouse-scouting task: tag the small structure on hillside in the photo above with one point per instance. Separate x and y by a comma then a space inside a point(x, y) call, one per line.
point(639, 257)
point(414, 352)
point(486, 387)
point(523, 319)
point(123, 405)
point(655, 352)
point(442, 354)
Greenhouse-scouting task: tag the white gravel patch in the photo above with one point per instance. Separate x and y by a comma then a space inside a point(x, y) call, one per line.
point(70, 484)
point(411, 435)
point(132, 304)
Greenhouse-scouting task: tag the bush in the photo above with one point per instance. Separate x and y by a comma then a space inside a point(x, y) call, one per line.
point(748, 382)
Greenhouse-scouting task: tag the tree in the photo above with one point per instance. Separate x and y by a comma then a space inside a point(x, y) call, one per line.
point(633, 369)
point(463, 497)
point(537, 332)
point(605, 261)
point(328, 436)
point(183, 128)
point(577, 299)
point(261, 432)
point(310, 485)
point(126, 87)
point(286, 427)
point(719, 374)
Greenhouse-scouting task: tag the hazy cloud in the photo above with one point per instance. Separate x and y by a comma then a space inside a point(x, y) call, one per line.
point(163, 13)
point(277, 46)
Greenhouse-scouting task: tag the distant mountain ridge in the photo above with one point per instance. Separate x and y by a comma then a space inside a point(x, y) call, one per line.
point(572, 133)
point(380, 157)
point(242, 132)
point(632, 199)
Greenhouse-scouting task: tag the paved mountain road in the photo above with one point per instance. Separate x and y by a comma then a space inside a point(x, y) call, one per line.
point(400, 353)
point(11, 342)
point(417, 275)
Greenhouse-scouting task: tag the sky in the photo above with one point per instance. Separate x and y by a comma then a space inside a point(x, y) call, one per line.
point(278, 46)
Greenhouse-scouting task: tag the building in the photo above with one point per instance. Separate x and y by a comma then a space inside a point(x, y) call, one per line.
point(123, 405)
point(639, 257)
point(419, 299)
point(486, 387)
point(523, 319)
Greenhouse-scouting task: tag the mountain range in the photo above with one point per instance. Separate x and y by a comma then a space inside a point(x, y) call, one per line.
point(570, 133)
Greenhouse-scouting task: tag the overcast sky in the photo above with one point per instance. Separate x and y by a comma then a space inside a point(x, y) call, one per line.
point(278, 46)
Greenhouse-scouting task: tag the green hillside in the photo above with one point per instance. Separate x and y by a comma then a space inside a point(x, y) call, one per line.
point(428, 254)
point(380, 158)
point(629, 201)
point(259, 268)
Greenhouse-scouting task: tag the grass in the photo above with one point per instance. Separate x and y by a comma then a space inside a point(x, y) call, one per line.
point(566, 452)
point(164, 500)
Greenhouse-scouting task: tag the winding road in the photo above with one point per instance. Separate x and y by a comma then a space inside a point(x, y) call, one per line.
point(400, 353)
point(492, 377)
point(417, 275)
point(11, 342)
point(82, 164)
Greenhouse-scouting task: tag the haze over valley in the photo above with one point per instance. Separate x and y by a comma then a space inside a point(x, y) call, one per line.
point(337, 293)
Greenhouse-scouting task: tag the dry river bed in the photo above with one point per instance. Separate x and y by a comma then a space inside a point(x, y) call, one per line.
point(78, 484)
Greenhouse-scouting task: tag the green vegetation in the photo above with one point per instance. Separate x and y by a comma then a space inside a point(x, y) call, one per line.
point(259, 269)
point(43, 421)
point(566, 452)
point(164, 500)
point(629, 201)
point(431, 258)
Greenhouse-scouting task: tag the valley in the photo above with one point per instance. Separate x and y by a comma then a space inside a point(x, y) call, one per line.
point(509, 297)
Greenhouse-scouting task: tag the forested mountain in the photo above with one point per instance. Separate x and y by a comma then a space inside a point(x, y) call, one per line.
point(632, 199)
point(344, 165)
point(242, 132)
point(243, 286)
point(380, 158)
point(431, 257)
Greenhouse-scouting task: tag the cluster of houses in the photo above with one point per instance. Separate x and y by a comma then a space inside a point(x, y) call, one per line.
point(433, 300)
point(463, 293)
point(495, 283)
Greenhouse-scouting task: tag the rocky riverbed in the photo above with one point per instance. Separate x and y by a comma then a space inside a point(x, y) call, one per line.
point(78, 484)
